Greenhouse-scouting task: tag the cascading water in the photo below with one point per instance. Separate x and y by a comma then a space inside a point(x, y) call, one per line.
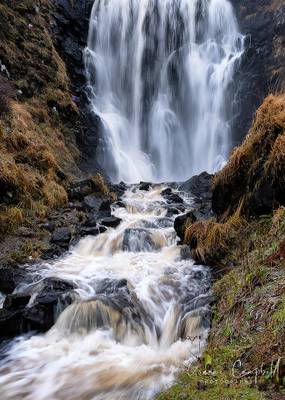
point(160, 74)
point(140, 312)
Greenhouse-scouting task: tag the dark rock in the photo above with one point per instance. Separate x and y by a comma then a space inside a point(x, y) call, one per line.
point(91, 220)
point(51, 288)
point(16, 301)
point(172, 211)
point(166, 192)
point(110, 286)
point(262, 66)
point(119, 188)
point(119, 204)
point(185, 252)
point(144, 186)
point(62, 236)
point(10, 278)
point(86, 231)
point(53, 296)
point(49, 226)
point(111, 222)
point(199, 186)
point(102, 228)
point(105, 208)
point(11, 323)
point(174, 198)
point(92, 202)
point(180, 221)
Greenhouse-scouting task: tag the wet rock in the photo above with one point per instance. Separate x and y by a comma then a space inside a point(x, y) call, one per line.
point(17, 317)
point(172, 211)
point(16, 301)
point(199, 186)
point(79, 190)
point(105, 209)
point(53, 296)
point(119, 204)
point(49, 226)
point(111, 286)
point(9, 279)
point(62, 236)
point(86, 231)
point(180, 223)
point(137, 240)
point(111, 222)
point(91, 220)
point(145, 186)
point(174, 198)
point(166, 192)
point(50, 289)
point(92, 202)
point(10, 323)
point(119, 189)
point(185, 252)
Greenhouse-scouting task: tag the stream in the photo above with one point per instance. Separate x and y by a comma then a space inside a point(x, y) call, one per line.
point(140, 313)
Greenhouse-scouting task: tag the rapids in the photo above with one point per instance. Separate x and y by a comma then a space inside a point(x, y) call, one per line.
point(140, 313)
point(160, 76)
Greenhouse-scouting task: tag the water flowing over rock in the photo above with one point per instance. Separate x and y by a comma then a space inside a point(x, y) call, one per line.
point(160, 75)
point(125, 310)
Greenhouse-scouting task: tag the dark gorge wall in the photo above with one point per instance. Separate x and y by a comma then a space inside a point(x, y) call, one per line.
point(262, 70)
point(70, 32)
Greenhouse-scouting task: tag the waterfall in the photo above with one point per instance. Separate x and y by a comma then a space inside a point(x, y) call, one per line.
point(160, 77)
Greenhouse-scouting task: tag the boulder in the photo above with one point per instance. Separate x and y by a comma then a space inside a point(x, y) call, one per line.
point(9, 279)
point(62, 236)
point(145, 186)
point(16, 301)
point(111, 222)
point(174, 198)
point(180, 223)
point(199, 186)
point(53, 295)
point(92, 202)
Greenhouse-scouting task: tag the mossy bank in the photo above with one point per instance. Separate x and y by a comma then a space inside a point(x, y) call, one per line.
point(245, 357)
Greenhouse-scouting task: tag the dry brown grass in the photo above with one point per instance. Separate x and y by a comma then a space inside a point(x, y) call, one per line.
point(10, 219)
point(210, 240)
point(259, 160)
point(99, 186)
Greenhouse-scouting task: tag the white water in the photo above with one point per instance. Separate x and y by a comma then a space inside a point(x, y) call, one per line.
point(160, 74)
point(138, 347)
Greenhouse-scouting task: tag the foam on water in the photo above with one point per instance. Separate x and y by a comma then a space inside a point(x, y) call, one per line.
point(128, 342)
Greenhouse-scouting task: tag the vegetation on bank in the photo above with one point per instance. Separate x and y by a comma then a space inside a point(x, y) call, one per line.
point(39, 120)
point(245, 357)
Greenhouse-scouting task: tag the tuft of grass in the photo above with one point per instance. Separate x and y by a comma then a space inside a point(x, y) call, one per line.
point(99, 186)
point(210, 240)
point(55, 195)
point(10, 218)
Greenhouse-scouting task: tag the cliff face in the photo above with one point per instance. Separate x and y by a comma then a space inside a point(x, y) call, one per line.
point(262, 70)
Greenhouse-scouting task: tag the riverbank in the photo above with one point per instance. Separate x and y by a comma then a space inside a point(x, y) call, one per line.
point(245, 245)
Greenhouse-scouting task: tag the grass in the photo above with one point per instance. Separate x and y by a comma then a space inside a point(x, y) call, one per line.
point(256, 165)
point(245, 356)
point(246, 348)
point(37, 144)
point(210, 240)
